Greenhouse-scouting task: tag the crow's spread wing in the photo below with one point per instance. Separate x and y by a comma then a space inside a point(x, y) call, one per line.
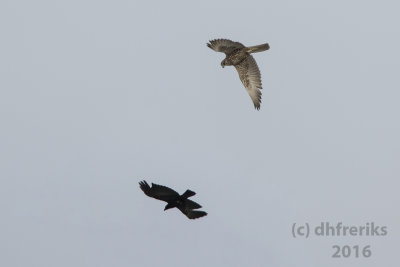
point(194, 214)
point(192, 205)
point(159, 192)
point(190, 213)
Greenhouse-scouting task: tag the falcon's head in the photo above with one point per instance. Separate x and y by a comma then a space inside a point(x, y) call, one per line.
point(223, 63)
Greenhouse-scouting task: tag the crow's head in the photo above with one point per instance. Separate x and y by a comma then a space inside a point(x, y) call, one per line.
point(169, 206)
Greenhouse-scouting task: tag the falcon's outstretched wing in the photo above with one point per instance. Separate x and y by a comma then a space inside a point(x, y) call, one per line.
point(224, 45)
point(159, 192)
point(250, 76)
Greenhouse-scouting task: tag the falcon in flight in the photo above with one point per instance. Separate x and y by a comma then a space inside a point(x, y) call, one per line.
point(174, 200)
point(239, 56)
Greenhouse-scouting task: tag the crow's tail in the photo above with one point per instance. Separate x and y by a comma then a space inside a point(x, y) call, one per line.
point(188, 193)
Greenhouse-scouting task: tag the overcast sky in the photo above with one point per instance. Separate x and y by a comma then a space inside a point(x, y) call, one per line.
point(98, 95)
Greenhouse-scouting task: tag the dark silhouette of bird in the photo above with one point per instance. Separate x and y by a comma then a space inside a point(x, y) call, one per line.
point(174, 200)
point(239, 56)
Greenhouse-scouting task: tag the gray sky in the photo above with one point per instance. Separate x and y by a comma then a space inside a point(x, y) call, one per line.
point(98, 95)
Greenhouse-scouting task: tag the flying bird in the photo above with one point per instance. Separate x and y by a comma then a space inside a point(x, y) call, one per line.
point(240, 56)
point(174, 200)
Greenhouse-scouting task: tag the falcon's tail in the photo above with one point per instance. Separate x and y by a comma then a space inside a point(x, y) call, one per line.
point(257, 48)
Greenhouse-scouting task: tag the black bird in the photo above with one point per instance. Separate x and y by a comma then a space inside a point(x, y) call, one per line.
point(174, 200)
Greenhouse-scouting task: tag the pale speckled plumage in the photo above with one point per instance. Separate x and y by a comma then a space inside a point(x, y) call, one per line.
point(239, 56)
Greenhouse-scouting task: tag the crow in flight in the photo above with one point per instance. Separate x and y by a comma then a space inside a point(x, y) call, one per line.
point(174, 200)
